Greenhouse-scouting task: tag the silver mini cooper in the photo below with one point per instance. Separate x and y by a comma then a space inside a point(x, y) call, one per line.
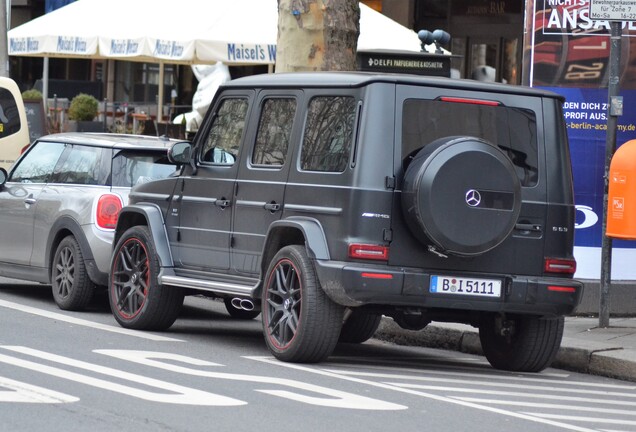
point(59, 205)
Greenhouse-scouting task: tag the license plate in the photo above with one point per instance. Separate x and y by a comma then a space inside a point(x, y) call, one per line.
point(465, 286)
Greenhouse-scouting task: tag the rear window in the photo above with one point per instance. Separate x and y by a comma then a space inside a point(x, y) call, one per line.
point(513, 130)
point(134, 167)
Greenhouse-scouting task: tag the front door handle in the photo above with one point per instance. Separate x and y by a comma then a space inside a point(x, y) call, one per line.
point(273, 207)
point(30, 200)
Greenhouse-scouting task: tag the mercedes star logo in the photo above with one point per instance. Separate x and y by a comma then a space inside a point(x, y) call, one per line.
point(473, 198)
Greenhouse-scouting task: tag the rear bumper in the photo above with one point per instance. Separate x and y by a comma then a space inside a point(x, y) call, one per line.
point(352, 284)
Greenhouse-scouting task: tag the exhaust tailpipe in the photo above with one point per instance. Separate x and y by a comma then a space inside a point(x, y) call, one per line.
point(242, 303)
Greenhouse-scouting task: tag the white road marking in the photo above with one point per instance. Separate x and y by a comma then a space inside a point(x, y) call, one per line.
point(584, 419)
point(485, 383)
point(27, 393)
point(508, 393)
point(532, 377)
point(329, 397)
point(426, 395)
point(85, 323)
point(596, 409)
point(176, 394)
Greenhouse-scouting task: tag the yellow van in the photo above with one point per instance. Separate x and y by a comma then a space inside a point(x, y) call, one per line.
point(14, 130)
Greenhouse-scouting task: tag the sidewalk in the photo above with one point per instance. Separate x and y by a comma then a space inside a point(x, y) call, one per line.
point(585, 348)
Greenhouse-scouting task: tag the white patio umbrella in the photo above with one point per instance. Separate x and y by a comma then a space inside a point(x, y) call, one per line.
point(237, 32)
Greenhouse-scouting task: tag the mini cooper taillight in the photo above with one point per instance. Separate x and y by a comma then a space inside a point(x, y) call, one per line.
point(372, 252)
point(559, 265)
point(108, 208)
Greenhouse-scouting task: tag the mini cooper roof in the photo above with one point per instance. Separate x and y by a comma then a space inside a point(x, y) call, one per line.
point(118, 141)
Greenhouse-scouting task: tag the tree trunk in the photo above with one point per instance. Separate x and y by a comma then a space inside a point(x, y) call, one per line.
point(317, 35)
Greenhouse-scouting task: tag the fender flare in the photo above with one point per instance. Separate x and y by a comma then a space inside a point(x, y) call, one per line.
point(313, 238)
point(67, 223)
point(150, 215)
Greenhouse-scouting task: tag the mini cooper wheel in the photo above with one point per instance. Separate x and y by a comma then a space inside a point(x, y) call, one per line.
point(136, 298)
point(72, 289)
point(300, 323)
point(521, 344)
point(359, 327)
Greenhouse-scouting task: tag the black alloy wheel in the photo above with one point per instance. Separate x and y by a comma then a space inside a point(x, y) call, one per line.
point(137, 300)
point(300, 323)
point(72, 289)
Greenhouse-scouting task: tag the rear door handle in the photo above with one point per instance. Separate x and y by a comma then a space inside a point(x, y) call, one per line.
point(223, 203)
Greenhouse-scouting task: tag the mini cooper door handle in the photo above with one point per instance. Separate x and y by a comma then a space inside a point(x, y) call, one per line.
point(30, 200)
point(223, 203)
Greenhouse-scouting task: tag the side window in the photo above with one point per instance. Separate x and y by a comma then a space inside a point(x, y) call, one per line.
point(274, 132)
point(328, 134)
point(38, 164)
point(224, 140)
point(81, 166)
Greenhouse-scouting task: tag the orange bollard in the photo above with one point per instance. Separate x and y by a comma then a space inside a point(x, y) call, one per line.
point(621, 202)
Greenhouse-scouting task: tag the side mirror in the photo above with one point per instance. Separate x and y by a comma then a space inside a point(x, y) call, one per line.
point(3, 176)
point(180, 153)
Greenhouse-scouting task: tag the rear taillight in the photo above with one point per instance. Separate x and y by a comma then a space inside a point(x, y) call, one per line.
point(559, 265)
point(108, 208)
point(372, 252)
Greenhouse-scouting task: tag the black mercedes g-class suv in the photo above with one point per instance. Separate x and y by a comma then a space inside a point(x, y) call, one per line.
point(327, 200)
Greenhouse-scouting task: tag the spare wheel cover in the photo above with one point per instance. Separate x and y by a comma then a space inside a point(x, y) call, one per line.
point(461, 193)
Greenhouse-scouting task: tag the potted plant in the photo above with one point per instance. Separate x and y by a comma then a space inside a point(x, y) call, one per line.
point(82, 111)
point(32, 95)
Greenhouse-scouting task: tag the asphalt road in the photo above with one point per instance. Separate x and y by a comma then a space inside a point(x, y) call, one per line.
point(82, 372)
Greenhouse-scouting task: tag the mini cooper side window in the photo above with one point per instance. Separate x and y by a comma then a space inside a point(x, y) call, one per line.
point(224, 140)
point(37, 166)
point(274, 132)
point(81, 166)
point(328, 134)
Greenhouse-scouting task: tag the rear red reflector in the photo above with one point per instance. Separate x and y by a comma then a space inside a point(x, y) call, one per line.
point(469, 101)
point(554, 265)
point(377, 276)
point(108, 208)
point(561, 289)
point(372, 252)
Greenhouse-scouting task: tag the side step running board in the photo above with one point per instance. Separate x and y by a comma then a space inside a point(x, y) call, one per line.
point(205, 285)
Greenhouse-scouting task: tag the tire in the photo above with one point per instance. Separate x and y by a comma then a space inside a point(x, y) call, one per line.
point(240, 314)
point(531, 347)
point(136, 298)
point(359, 327)
point(300, 323)
point(461, 195)
point(72, 288)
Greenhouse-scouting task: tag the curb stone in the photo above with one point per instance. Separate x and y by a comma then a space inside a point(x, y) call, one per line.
point(596, 358)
